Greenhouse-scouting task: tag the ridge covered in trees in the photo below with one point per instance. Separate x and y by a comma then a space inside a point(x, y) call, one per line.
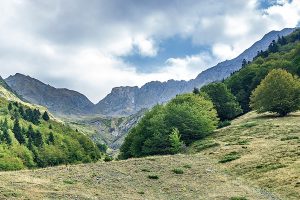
point(30, 139)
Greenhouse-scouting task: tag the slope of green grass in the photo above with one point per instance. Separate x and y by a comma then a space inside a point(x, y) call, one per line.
point(147, 178)
point(263, 149)
point(257, 157)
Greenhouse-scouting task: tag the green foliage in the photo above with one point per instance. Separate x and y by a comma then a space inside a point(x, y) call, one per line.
point(178, 171)
point(46, 116)
point(10, 107)
point(155, 177)
point(279, 92)
point(230, 157)
point(192, 115)
point(176, 143)
point(10, 163)
point(102, 147)
point(238, 198)
point(25, 140)
point(223, 124)
point(108, 158)
point(204, 144)
point(287, 57)
point(223, 100)
point(18, 132)
point(5, 137)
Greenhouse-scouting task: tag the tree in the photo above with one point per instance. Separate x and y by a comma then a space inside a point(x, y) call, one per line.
point(38, 139)
point(6, 137)
point(45, 116)
point(278, 92)
point(244, 62)
point(10, 107)
point(273, 47)
point(175, 140)
point(192, 115)
point(196, 91)
point(50, 139)
point(223, 100)
point(102, 147)
point(18, 132)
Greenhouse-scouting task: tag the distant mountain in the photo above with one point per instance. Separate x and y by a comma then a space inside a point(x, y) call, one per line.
point(124, 101)
point(58, 101)
point(129, 100)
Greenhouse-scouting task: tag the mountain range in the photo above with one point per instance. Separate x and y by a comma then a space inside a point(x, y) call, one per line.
point(124, 101)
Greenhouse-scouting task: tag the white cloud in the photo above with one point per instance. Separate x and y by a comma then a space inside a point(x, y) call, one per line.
point(80, 44)
point(146, 46)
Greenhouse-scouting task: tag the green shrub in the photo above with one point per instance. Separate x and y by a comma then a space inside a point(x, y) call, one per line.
point(223, 124)
point(238, 198)
point(177, 171)
point(290, 138)
point(155, 177)
point(204, 144)
point(230, 157)
point(108, 158)
point(10, 163)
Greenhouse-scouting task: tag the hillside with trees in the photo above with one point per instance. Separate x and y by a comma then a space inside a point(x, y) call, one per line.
point(267, 84)
point(30, 138)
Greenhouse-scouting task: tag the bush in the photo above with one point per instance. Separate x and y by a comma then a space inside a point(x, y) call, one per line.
point(155, 177)
point(230, 157)
point(279, 92)
point(223, 124)
point(10, 163)
point(177, 171)
point(108, 158)
point(238, 198)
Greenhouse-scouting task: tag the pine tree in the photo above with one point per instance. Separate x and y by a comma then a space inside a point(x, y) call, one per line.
point(10, 107)
point(50, 138)
point(38, 139)
point(196, 91)
point(7, 137)
point(30, 132)
point(18, 132)
point(45, 116)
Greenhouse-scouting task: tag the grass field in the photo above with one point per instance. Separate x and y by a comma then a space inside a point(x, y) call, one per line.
point(263, 149)
point(257, 157)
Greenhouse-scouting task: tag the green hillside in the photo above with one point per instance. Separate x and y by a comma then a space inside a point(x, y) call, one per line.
point(31, 138)
point(263, 149)
point(267, 167)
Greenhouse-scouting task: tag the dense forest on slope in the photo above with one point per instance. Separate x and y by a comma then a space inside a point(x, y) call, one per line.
point(283, 53)
point(29, 139)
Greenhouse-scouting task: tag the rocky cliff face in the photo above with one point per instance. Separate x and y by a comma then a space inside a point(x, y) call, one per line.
point(58, 101)
point(129, 100)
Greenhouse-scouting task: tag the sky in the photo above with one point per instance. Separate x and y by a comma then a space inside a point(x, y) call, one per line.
point(93, 46)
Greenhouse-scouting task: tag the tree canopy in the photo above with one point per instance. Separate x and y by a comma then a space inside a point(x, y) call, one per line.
point(223, 100)
point(165, 128)
point(278, 92)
